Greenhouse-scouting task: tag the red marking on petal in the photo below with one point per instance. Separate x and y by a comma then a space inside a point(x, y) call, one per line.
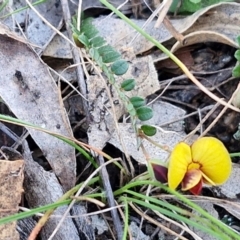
point(191, 179)
point(197, 189)
point(160, 173)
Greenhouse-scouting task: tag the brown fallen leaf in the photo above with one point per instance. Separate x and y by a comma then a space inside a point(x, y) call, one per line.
point(11, 181)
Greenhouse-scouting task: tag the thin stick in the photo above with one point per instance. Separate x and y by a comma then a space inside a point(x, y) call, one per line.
point(110, 198)
point(204, 119)
point(221, 113)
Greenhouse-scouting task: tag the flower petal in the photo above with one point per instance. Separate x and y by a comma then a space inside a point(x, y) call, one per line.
point(197, 189)
point(214, 159)
point(191, 179)
point(160, 172)
point(179, 160)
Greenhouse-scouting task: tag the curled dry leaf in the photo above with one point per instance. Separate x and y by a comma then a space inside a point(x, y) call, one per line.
point(220, 23)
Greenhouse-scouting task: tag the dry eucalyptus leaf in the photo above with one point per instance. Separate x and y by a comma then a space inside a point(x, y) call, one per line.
point(35, 29)
point(32, 95)
point(102, 126)
point(11, 180)
point(231, 189)
point(220, 24)
point(120, 34)
point(58, 48)
point(233, 208)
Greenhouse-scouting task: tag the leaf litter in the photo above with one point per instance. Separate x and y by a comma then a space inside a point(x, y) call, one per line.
point(25, 95)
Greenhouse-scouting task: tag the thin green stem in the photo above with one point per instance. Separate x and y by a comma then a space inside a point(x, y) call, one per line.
point(126, 220)
point(237, 154)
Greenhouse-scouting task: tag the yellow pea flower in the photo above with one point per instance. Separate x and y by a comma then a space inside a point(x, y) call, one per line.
point(206, 160)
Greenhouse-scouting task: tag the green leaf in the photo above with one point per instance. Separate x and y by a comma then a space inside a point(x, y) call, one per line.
point(128, 84)
point(149, 130)
point(119, 67)
point(190, 6)
point(97, 41)
point(110, 56)
point(94, 54)
point(237, 55)
point(83, 39)
point(137, 101)
point(88, 28)
point(106, 48)
point(236, 71)
point(144, 113)
point(108, 53)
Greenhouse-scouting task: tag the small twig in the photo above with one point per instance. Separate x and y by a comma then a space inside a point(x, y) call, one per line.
point(9, 132)
point(88, 199)
point(164, 11)
point(110, 198)
point(178, 36)
point(221, 113)
point(76, 58)
point(179, 102)
point(186, 116)
point(200, 120)
point(203, 120)
point(163, 147)
point(156, 222)
point(153, 15)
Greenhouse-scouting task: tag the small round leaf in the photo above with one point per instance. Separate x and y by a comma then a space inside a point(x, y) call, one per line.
point(237, 55)
point(119, 67)
point(137, 101)
point(128, 84)
point(97, 41)
point(144, 113)
point(236, 71)
point(110, 56)
point(149, 130)
point(83, 39)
